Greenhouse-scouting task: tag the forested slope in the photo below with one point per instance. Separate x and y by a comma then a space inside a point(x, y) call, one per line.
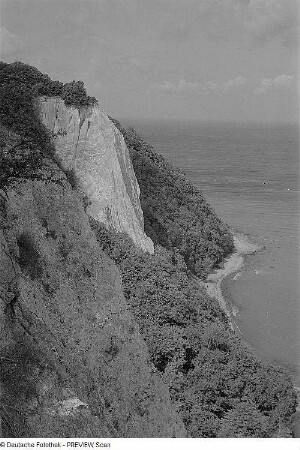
point(217, 385)
point(176, 214)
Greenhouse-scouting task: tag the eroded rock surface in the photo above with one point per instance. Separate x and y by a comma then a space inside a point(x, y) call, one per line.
point(73, 363)
point(89, 143)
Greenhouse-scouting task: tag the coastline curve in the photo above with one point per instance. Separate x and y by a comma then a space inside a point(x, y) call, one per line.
point(243, 246)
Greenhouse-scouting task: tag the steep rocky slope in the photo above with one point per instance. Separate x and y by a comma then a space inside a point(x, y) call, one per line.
point(88, 143)
point(72, 359)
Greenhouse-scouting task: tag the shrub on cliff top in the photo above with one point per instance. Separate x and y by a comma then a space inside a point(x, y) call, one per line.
point(74, 94)
point(40, 84)
point(30, 78)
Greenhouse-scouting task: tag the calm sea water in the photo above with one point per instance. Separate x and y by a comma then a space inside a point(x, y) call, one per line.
point(250, 175)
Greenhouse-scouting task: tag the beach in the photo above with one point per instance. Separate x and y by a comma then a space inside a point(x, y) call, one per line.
point(231, 264)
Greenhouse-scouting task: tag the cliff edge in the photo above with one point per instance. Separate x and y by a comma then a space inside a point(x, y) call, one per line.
point(88, 143)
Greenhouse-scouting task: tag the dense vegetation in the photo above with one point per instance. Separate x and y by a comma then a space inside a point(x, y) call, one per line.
point(24, 140)
point(175, 212)
point(217, 385)
point(35, 83)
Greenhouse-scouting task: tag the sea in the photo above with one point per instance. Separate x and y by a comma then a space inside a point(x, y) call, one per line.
point(249, 173)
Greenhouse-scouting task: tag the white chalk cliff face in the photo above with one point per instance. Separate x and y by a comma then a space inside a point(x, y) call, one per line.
point(89, 143)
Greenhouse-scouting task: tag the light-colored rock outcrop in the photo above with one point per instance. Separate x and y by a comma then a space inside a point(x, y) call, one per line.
point(73, 363)
point(90, 144)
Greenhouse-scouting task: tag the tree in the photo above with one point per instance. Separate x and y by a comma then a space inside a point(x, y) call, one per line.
point(245, 421)
point(74, 93)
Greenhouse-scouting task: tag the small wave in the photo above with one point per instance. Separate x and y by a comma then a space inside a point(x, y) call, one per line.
point(237, 276)
point(238, 329)
point(235, 311)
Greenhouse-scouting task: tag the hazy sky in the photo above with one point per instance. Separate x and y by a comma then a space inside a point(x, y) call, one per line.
point(200, 59)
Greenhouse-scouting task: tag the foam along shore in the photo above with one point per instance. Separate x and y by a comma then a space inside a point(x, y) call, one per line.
point(232, 264)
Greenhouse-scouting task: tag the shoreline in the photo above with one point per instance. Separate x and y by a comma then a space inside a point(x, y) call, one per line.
point(233, 263)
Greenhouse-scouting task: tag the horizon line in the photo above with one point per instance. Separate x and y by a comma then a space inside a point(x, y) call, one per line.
point(208, 121)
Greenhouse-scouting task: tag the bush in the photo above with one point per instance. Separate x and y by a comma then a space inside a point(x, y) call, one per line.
point(74, 94)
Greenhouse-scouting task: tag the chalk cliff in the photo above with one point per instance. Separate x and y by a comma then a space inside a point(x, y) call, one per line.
point(88, 143)
point(73, 363)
